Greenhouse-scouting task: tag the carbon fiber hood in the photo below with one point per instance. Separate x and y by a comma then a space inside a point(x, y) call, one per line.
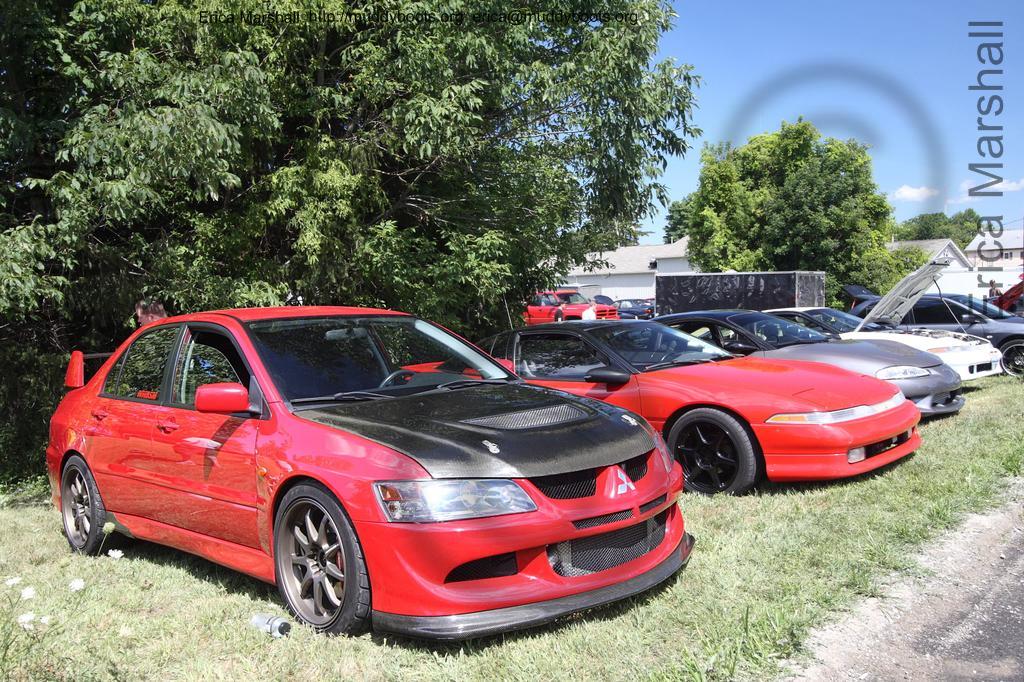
point(495, 431)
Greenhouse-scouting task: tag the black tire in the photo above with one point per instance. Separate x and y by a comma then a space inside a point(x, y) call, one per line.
point(81, 507)
point(352, 615)
point(717, 453)
point(1013, 357)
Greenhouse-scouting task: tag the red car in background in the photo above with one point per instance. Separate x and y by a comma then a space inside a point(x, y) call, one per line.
point(726, 419)
point(378, 468)
point(564, 304)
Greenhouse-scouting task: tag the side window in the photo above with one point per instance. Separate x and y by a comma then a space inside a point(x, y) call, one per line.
point(557, 356)
point(206, 358)
point(537, 300)
point(110, 384)
point(497, 345)
point(142, 373)
point(933, 312)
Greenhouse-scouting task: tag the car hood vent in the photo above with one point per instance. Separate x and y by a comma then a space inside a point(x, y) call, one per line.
point(530, 419)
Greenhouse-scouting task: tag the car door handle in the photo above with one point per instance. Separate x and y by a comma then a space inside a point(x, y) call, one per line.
point(167, 425)
point(100, 414)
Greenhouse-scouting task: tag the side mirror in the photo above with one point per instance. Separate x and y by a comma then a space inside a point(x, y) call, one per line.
point(969, 318)
point(739, 347)
point(607, 375)
point(507, 364)
point(74, 377)
point(222, 398)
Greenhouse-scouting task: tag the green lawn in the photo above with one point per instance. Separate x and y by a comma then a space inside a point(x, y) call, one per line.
point(767, 567)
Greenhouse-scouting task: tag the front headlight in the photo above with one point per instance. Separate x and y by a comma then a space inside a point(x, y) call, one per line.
point(943, 349)
point(450, 500)
point(901, 372)
point(838, 416)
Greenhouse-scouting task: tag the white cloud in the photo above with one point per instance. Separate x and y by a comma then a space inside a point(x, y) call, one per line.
point(908, 193)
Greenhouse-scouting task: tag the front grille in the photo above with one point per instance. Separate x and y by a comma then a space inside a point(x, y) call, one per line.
point(530, 419)
point(656, 502)
point(488, 567)
point(595, 521)
point(887, 444)
point(578, 484)
point(601, 552)
point(943, 399)
point(635, 468)
point(568, 486)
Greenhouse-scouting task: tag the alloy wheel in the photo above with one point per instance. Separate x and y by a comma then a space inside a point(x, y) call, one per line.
point(708, 457)
point(314, 577)
point(76, 507)
point(1013, 359)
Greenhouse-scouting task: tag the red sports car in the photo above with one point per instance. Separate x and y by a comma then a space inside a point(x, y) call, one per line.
point(726, 419)
point(378, 468)
point(564, 304)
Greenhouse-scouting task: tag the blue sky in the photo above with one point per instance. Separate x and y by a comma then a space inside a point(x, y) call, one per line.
point(892, 74)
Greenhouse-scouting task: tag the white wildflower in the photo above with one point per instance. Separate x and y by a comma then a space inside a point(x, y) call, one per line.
point(45, 620)
point(115, 554)
point(28, 593)
point(25, 620)
point(11, 582)
point(76, 585)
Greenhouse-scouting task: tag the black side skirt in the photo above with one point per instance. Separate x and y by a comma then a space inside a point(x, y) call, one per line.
point(484, 623)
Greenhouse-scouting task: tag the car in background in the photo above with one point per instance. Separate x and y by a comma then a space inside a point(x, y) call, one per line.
point(727, 419)
point(635, 308)
point(971, 357)
point(563, 304)
point(959, 313)
point(378, 468)
point(603, 300)
point(933, 386)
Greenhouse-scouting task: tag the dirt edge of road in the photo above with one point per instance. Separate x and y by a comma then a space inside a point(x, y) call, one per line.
point(961, 617)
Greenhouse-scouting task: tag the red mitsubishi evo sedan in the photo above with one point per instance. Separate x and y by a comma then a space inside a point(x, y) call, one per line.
point(378, 468)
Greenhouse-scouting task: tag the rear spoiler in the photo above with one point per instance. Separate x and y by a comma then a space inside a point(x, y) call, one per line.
point(74, 376)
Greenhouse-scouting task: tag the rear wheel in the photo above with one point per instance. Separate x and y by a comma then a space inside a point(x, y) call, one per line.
point(81, 507)
point(715, 451)
point(1013, 358)
point(321, 574)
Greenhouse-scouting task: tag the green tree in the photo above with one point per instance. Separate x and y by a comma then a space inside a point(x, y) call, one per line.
point(961, 227)
point(172, 151)
point(791, 200)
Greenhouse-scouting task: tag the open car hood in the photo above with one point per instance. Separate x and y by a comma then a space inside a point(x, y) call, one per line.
point(895, 305)
point(495, 431)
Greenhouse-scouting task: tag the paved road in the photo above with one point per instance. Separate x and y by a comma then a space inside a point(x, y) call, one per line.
point(962, 621)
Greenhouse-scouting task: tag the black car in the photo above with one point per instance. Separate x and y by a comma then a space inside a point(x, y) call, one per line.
point(635, 308)
point(957, 313)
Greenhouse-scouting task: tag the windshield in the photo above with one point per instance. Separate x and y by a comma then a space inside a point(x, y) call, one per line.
point(644, 344)
point(386, 355)
point(571, 297)
point(979, 306)
point(775, 330)
point(842, 321)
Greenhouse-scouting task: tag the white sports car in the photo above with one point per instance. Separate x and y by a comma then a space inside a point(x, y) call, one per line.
point(972, 357)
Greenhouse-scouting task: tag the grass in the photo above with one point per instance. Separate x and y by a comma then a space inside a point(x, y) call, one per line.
point(766, 569)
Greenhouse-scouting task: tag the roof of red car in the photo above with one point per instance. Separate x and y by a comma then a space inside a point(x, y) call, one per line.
point(249, 314)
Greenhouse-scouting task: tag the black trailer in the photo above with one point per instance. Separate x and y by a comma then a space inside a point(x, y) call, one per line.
point(751, 290)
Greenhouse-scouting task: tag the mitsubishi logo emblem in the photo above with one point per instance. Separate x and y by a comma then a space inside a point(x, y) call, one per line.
point(624, 485)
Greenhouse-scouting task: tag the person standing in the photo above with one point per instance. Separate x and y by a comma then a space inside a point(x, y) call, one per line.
point(993, 290)
point(591, 312)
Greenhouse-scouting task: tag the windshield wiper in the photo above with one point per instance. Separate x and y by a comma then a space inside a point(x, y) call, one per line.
point(343, 397)
point(680, 363)
point(466, 383)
